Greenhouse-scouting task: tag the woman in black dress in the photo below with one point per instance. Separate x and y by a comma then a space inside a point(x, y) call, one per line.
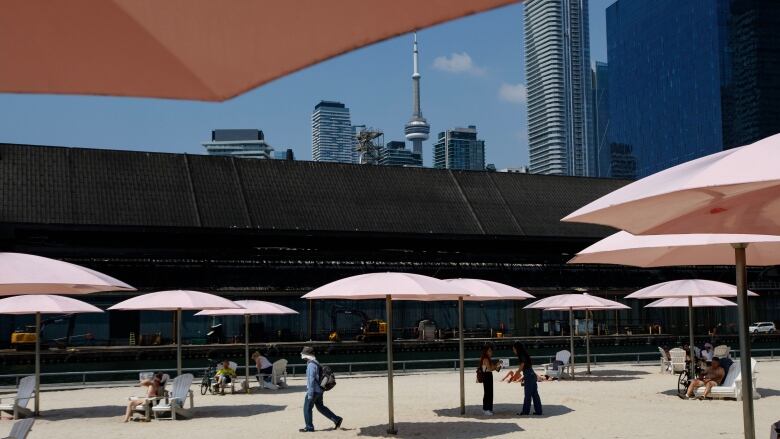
point(487, 365)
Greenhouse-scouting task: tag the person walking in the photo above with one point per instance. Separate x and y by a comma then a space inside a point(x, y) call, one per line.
point(314, 393)
point(487, 366)
point(531, 383)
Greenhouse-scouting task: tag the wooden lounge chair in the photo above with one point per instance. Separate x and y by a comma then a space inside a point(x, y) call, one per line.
point(550, 369)
point(666, 363)
point(732, 384)
point(721, 351)
point(175, 403)
point(678, 360)
point(21, 429)
point(278, 376)
point(17, 405)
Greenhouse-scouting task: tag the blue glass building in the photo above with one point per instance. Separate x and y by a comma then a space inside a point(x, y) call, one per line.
point(459, 148)
point(668, 67)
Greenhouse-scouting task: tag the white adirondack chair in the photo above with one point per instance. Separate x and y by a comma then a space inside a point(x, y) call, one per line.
point(17, 405)
point(678, 360)
point(562, 356)
point(721, 351)
point(162, 392)
point(278, 376)
point(666, 364)
point(175, 403)
point(21, 429)
point(732, 384)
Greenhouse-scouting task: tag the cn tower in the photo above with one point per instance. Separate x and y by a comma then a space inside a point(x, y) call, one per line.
point(417, 129)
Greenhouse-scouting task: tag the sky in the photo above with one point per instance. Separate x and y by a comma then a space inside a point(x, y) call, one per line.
point(472, 74)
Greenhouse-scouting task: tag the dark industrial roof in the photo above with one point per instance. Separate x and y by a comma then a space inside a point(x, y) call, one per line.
point(55, 185)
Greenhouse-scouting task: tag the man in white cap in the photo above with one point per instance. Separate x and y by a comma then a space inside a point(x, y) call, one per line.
point(314, 393)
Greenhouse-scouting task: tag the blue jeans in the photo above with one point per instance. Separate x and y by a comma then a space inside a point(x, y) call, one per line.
point(531, 390)
point(308, 406)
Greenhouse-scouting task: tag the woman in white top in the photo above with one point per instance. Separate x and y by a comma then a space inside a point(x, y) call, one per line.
point(263, 366)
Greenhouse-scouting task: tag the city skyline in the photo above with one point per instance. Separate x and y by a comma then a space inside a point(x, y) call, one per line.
point(465, 84)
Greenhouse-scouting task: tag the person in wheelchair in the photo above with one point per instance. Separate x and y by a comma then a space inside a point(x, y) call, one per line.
point(713, 376)
point(224, 375)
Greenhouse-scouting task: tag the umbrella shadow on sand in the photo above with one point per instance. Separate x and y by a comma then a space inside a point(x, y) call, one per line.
point(462, 429)
point(236, 411)
point(502, 411)
point(281, 390)
point(67, 414)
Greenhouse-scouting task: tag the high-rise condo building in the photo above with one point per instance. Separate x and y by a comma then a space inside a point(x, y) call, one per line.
point(332, 135)
point(707, 80)
point(459, 148)
point(600, 115)
point(558, 75)
point(242, 143)
point(394, 153)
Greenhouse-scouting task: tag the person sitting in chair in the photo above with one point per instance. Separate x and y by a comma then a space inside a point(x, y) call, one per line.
point(264, 367)
point(224, 376)
point(153, 387)
point(713, 376)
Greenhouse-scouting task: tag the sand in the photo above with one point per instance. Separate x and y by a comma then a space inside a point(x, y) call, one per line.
point(617, 401)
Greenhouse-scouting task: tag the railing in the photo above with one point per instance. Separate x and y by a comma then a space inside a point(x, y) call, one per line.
point(379, 366)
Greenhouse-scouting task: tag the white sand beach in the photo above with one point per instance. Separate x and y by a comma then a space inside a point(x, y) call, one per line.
point(616, 401)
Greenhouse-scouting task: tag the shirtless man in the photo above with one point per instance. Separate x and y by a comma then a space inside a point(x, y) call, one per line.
point(153, 386)
point(713, 377)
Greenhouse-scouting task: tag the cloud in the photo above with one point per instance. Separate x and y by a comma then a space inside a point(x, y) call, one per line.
point(458, 63)
point(515, 93)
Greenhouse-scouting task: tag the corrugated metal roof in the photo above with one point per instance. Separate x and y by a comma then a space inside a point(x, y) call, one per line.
point(40, 184)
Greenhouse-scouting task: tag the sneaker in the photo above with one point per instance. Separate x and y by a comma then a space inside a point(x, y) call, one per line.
point(268, 385)
point(487, 413)
point(338, 423)
point(306, 430)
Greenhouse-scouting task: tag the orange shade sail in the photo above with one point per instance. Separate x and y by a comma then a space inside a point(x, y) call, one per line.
point(206, 50)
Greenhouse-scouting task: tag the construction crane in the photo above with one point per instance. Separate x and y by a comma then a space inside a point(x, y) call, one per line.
point(367, 149)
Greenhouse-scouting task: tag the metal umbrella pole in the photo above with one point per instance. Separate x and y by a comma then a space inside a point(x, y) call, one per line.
point(587, 337)
point(246, 351)
point(744, 342)
point(178, 341)
point(691, 350)
point(390, 412)
point(462, 360)
point(37, 363)
point(571, 339)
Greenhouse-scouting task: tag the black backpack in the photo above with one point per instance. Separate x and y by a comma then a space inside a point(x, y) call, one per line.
point(327, 378)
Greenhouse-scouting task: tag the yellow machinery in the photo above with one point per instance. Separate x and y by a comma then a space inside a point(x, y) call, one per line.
point(370, 329)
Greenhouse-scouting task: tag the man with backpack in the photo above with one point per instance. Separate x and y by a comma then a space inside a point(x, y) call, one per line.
point(318, 379)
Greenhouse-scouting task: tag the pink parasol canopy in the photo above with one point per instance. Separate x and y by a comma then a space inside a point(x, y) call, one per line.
point(698, 302)
point(389, 286)
point(623, 248)
point(43, 304)
point(734, 191)
point(29, 274)
point(483, 290)
point(685, 288)
point(175, 300)
point(249, 308)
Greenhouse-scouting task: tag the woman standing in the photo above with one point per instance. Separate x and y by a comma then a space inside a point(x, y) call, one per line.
point(531, 385)
point(487, 365)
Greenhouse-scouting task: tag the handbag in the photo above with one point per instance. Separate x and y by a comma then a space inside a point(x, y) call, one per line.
point(480, 374)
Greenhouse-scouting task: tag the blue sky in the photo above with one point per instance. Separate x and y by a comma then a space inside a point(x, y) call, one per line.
point(472, 73)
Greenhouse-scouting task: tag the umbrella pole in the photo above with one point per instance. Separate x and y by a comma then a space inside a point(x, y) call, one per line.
point(744, 341)
point(178, 341)
point(691, 343)
point(462, 356)
point(587, 337)
point(37, 363)
point(246, 350)
point(390, 413)
point(571, 339)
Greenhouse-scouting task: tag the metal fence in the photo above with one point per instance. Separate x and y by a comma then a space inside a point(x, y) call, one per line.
point(83, 377)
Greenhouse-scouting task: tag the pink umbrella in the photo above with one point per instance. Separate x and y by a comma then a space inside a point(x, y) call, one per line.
point(175, 300)
point(698, 302)
point(249, 308)
point(481, 290)
point(29, 274)
point(43, 304)
point(734, 191)
point(388, 286)
point(575, 302)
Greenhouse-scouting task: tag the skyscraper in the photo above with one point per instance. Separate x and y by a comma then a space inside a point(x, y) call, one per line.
point(332, 135)
point(394, 153)
point(417, 128)
point(707, 80)
point(243, 143)
point(600, 116)
point(557, 50)
point(459, 148)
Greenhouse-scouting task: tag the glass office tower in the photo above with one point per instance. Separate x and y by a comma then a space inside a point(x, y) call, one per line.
point(459, 148)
